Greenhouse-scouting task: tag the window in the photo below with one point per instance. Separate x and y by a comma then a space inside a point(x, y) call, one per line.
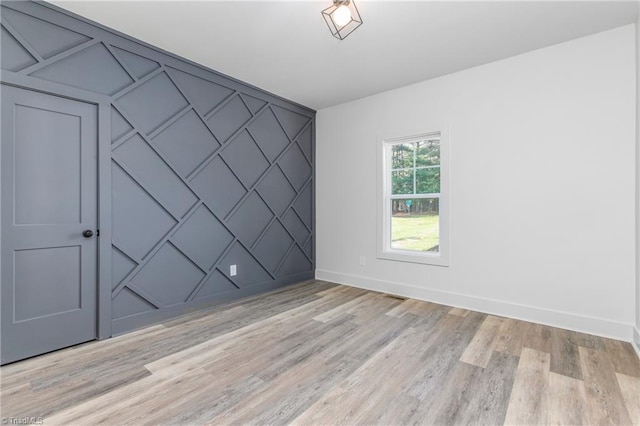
point(413, 211)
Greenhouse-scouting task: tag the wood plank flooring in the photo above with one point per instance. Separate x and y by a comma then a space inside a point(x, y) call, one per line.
point(325, 354)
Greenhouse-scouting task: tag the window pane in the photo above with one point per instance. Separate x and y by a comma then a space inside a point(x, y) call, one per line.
point(402, 156)
point(428, 181)
point(428, 152)
point(402, 182)
point(415, 224)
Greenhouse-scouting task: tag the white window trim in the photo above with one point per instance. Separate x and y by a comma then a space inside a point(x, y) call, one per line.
point(384, 208)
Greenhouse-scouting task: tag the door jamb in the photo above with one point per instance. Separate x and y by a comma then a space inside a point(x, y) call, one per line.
point(103, 102)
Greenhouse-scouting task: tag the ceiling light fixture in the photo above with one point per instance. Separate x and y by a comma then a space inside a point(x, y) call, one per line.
point(342, 18)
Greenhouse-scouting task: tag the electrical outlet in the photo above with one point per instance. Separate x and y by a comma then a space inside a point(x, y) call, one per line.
point(363, 261)
point(233, 271)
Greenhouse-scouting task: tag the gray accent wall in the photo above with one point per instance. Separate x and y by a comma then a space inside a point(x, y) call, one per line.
point(204, 170)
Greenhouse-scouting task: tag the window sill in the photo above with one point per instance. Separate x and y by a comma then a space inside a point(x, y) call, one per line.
point(414, 257)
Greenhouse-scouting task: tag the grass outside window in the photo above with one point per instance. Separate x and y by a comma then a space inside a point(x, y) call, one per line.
point(415, 232)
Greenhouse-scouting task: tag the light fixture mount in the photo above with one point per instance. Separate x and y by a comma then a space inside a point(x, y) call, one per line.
point(342, 18)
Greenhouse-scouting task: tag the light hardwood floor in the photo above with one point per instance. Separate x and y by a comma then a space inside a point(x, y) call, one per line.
point(320, 353)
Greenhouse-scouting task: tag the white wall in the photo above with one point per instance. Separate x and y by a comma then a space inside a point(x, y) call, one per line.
point(542, 186)
point(637, 330)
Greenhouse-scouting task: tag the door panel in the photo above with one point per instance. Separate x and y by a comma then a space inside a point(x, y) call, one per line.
point(34, 270)
point(45, 192)
point(49, 196)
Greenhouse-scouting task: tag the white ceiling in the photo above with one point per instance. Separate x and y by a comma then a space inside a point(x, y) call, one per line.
point(286, 48)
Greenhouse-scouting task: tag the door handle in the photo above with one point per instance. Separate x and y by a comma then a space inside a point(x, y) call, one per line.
point(87, 233)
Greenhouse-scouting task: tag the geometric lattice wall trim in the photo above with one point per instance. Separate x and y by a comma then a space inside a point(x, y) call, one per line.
point(44, 38)
point(205, 171)
point(14, 56)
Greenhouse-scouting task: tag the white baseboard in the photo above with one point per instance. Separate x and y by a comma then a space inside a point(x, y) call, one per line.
point(636, 340)
point(585, 324)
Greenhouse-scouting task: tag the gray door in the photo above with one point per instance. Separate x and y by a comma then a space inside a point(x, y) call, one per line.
point(49, 197)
